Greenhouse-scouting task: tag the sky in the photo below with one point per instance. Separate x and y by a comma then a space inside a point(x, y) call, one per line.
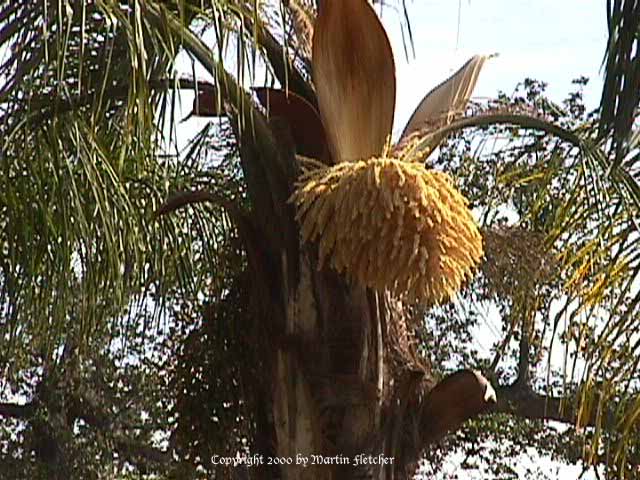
point(554, 41)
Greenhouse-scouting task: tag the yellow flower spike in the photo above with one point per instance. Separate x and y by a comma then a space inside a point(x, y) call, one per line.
point(424, 250)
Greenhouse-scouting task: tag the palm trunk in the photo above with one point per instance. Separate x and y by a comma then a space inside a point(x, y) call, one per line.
point(352, 399)
point(345, 381)
point(330, 378)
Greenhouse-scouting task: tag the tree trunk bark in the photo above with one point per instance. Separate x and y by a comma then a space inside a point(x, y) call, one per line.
point(344, 380)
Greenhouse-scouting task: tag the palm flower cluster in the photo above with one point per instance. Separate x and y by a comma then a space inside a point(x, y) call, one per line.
point(376, 213)
point(390, 223)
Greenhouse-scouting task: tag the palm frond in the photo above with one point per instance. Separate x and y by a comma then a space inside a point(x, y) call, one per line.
point(83, 170)
point(560, 190)
point(621, 92)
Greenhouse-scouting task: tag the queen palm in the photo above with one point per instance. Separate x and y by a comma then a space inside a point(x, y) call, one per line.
point(321, 305)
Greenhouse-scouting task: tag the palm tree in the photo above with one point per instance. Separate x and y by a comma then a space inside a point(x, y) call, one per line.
point(95, 232)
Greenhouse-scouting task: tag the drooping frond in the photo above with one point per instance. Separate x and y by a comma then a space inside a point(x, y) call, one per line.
point(621, 92)
point(564, 224)
point(86, 89)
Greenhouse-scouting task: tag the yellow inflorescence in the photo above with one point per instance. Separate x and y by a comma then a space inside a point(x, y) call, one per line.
point(390, 224)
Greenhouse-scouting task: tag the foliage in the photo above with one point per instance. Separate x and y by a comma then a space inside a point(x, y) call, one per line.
point(121, 331)
point(545, 215)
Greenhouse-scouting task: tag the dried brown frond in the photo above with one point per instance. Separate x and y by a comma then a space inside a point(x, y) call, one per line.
point(389, 223)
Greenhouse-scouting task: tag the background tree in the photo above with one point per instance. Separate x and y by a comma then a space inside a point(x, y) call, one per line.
point(141, 338)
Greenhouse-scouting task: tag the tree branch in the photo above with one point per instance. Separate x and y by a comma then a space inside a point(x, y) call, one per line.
point(127, 448)
point(431, 413)
point(14, 410)
point(520, 400)
point(454, 400)
point(523, 357)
